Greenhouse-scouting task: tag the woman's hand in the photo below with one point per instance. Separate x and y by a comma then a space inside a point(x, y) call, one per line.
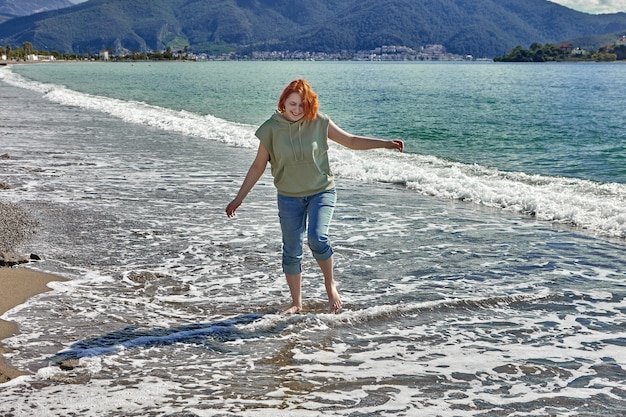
point(397, 144)
point(232, 207)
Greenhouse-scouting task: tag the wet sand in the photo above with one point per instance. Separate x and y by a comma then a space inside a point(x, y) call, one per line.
point(16, 286)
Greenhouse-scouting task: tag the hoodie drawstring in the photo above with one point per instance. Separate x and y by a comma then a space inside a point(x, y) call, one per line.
point(293, 148)
point(300, 139)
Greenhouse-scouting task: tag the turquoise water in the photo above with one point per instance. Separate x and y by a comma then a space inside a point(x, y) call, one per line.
point(552, 119)
point(482, 271)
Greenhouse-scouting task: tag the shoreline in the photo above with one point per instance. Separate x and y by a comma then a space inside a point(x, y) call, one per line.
point(17, 285)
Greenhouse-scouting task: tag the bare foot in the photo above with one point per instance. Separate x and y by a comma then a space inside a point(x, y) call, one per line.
point(334, 301)
point(292, 310)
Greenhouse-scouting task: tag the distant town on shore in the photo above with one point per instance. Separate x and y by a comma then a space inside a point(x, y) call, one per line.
point(535, 53)
point(383, 53)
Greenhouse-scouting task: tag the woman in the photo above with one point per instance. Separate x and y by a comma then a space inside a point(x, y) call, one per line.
point(295, 143)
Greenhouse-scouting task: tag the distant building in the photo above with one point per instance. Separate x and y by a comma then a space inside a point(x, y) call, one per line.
point(34, 57)
point(621, 41)
point(3, 57)
point(566, 48)
point(104, 55)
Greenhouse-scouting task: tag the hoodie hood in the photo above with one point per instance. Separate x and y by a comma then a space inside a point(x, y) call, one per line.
point(278, 116)
point(295, 132)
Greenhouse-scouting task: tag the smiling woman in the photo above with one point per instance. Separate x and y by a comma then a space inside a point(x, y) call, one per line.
point(594, 6)
point(295, 143)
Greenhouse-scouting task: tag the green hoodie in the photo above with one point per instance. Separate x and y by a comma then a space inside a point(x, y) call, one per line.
point(298, 154)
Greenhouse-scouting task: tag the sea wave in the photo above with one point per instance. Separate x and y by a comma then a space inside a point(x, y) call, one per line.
point(257, 325)
point(598, 208)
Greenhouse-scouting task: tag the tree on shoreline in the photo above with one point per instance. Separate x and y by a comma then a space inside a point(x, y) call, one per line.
point(565, 52)
point(27, 47)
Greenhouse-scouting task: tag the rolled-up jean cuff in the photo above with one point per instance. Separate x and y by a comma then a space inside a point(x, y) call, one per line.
point(323, 256)
point(292, 269)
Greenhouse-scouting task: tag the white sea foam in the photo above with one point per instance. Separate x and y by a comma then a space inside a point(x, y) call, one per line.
point(487, 352)
point(581, 203)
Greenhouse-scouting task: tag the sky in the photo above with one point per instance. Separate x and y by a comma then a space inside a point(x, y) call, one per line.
point(594, 6)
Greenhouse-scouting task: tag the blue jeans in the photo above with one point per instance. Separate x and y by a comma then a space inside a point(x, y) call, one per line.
point(293, 213)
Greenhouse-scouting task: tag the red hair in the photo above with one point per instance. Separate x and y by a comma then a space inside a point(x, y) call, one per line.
point(306, 93)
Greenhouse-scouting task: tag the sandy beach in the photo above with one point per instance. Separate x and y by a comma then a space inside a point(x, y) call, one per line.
point(16, 286)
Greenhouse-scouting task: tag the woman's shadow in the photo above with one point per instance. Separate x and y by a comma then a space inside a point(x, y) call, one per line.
point(134, 337)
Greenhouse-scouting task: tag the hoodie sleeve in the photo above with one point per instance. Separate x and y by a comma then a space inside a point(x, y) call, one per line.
point(265, 135)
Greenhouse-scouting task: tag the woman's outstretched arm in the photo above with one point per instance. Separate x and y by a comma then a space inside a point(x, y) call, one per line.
point(254, 173)
point(335, 133)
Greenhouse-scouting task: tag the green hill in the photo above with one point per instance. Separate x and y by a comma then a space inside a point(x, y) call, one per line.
point(483, 28)
point(10, 9)
point(28, 7)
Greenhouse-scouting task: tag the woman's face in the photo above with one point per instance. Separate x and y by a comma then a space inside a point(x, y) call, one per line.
point(294, 109)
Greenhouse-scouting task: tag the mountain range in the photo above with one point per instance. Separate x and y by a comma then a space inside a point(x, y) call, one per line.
point(483, 28)
point(13, 8)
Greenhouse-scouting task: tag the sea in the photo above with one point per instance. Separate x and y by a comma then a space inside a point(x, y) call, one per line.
point(483, 270)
